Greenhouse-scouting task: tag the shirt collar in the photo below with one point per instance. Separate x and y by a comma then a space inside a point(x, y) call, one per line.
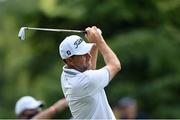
point(70, 71)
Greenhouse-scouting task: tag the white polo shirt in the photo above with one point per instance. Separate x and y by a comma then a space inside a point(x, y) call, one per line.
point(85, 93)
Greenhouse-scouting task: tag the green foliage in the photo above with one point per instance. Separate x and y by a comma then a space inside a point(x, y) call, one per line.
point(143, 33)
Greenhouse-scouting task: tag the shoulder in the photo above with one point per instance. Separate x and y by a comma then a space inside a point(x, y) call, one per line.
point(100, 75)
point(94, 73)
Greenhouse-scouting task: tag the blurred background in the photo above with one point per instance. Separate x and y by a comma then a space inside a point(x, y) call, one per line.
point(145, 35)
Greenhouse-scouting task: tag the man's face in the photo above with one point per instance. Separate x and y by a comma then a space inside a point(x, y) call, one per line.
point(130, 111)
point(81, 62)
point(29, 113)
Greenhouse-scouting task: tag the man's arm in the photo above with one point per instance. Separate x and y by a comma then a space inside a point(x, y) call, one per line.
point(51, 111)
point(94, 52)
point(111, 60)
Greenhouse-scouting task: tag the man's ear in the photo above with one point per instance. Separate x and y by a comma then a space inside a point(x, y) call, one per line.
point(69, 61)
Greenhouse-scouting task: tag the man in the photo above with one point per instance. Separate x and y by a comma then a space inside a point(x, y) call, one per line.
point(83, 85)
point(128, 109)
point(28, 107)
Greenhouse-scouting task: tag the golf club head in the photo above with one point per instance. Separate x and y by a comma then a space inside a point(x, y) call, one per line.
point(21, 34)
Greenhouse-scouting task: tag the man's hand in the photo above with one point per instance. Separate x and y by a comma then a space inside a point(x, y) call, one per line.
point(93, 34)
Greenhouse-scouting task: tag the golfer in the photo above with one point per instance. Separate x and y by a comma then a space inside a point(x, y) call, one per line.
point(82, 84)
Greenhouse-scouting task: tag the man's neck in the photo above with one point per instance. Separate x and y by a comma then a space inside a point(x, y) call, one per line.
point(74, 67)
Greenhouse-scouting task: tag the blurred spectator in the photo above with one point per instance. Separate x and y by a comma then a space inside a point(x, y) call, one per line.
point(127, 108)
point(28, 107)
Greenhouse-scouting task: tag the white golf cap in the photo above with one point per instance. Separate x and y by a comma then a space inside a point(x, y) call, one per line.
point(74, 45)
point(26, 102)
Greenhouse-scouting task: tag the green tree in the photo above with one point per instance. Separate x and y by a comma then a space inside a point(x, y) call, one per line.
point(144, 34)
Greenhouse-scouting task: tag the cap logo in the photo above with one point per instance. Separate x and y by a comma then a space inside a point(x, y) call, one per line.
point(78, 42)
point(68, 52)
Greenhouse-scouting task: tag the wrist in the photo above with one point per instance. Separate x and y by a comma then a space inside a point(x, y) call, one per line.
point(53, 109)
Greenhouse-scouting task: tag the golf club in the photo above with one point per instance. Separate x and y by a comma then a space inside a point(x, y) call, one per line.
point(21, 34)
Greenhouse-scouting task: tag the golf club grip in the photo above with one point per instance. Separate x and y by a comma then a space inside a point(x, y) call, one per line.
point(85, 32)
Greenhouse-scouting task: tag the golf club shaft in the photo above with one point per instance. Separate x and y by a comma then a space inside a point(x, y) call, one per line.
point(55, 30)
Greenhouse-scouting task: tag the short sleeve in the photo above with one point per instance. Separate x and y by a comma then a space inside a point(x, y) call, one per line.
point(97, 79)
